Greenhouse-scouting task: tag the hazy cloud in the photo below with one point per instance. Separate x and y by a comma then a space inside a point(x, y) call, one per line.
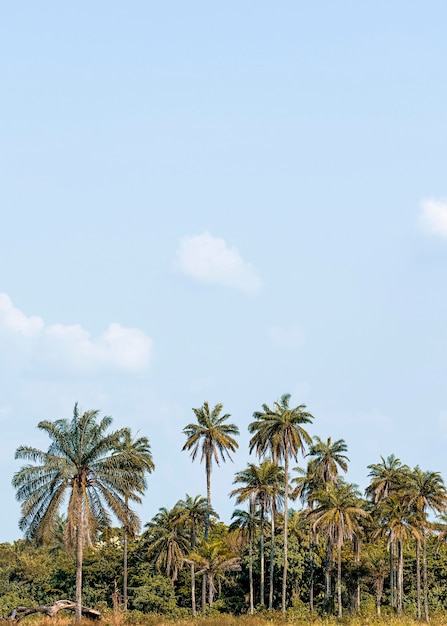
point(210, 260)
point(433, 218)
point(72, 345)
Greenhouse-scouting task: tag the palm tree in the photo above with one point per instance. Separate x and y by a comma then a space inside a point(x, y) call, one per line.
point(214, 438)
point(338, 514)
point(399, 523)
point(166, 542)
point(192, 513)
point(212, 560)
point(279, 430)
point(140, 456)
point(326, 458)
point(82, 461)
point(387, 477)
point(425, 491)
point(260, 483)
point(246, 522)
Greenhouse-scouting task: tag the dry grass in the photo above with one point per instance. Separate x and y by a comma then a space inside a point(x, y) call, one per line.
point(228, 620)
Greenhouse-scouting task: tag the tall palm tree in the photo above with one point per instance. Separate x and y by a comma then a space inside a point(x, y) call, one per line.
point(246, 522)
point(425, 491)
point(82, 463)
point(279, 430)
point(260, 483)
point(399, 523)
point(139, 455)
point(192, 512)
point(387, 478)
point(214, 438)
point(325, 460)
point(339, 514)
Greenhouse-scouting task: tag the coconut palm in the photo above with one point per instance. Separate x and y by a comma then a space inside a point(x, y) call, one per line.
point(139, 454)
point(279, 430)
point(260, 484)
point(82, 463)
point(214, 439)
point(339, 514)
point(425, 491)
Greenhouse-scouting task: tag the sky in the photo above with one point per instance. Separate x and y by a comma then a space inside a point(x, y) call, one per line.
point(224, 202)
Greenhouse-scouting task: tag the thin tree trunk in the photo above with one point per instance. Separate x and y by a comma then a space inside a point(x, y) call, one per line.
point(79, 553)
point(208, 495)
point(261, 547)
point(379, 592)
point(328, 578)
point(204, 593)
point(272, 554)
point(400, 578)
point(424, 574)
point(250, 574)
point(125, 570)
point(193, 571)
point(418, 577)
point(311, 570)
point(340, 608)
point(286, 520)
point(193, 591)
point(392, 587)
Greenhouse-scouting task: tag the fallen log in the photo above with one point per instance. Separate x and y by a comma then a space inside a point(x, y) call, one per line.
point(67, 605)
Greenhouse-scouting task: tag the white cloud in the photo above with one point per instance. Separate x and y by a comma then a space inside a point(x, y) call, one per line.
point(125, 348)
point(13, 319)
point(433, 218)
point(210, 260)
point(290, 338)
point(71, 345)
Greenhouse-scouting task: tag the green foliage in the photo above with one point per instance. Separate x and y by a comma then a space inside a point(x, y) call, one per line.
point(156, 596)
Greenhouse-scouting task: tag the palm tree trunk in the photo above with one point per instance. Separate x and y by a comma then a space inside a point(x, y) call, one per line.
point(193, 571)
point(204, 593)
point(400, 578)
point(79, 553)
point(418, 577)
point(272, 555)
point(261, 549)
point(424, 574)
point(311, 570)
point(125, 570)
point(340, 608)
point(250, 574)
point(286, 520)
point(193, 591)
point(208, 495)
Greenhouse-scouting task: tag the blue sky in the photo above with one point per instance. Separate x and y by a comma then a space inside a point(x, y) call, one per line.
point(224, 202)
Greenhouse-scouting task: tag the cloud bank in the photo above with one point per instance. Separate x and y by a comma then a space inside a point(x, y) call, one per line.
point(433, 218)
point(209, 260)
point(72, 345)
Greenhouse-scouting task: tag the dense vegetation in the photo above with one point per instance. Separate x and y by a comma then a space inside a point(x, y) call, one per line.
point(303, 541)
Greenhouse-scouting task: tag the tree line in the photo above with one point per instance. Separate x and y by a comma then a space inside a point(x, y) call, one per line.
point(333, 549)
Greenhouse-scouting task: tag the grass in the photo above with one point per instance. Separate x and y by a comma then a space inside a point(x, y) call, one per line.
point(130, 619)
